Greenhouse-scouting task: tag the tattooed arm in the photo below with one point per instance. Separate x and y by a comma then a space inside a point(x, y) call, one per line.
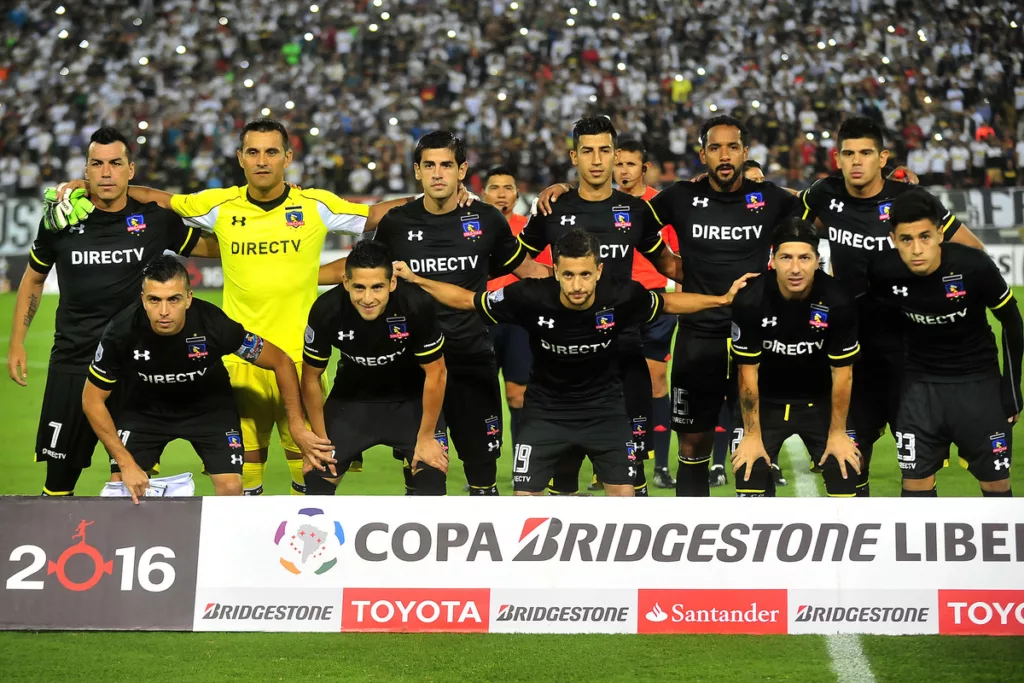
point(751, 448)
point(30, 293)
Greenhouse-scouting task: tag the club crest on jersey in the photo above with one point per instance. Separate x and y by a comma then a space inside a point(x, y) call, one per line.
point(442, 439)
point(397, 328)
point(755, 201)
point(605, 320)
point(492, 426)
point(197, 347)
point(998, 443)
point(819, 316)
point(853, 436)
point(622, 221)
point(136, 224)
point(471, 227)
point(630, 451)
point(954, 285)
point(293, 216)
point(883, 211)
point(639, 427)
point(234, 439)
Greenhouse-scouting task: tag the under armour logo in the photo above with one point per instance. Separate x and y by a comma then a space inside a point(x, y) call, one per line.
point(416, 235)
point(141, 355)
point(493, 445)
point(236, 458)
point(346, 334)
point(1000, 464)
point(235, 220)
point(902, 291)
point(702, 202)
point(632, 472)
point(769, 322)
point(546, 322)
point(76, 230)
point(836, 206)
point(568, 220)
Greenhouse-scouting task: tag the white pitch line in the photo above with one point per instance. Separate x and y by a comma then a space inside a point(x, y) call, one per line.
point(849, 662)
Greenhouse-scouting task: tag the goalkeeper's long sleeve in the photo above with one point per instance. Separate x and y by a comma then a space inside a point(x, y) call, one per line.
point(1013, 352)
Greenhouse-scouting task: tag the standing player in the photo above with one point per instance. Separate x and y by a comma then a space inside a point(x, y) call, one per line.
point(511, 343)
point(99, 269)
point(953, 391)
point(631, 166)
point(463, 247)
point(391, 381)
point(795, 340)
point(168, 352)
point(853, 211)
point(575, 403)
point(623, 224)
point(271, 237)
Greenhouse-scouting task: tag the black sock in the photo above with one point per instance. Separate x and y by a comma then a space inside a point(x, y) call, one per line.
point(61, 478)
point(661, 407)
point(640, 481)
point(904, 493)
point(514, 416)
point(761, 484)
point(430, 482)
point(997, 494)
point(410, 481)
point(482, 477)
point(864, 489)
point(692, 480)
point(318, 486)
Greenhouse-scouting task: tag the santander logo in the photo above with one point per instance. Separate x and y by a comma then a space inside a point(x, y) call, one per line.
point(656, 614)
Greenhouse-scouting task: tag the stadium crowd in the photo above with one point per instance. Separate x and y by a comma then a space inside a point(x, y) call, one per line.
point(358, 81)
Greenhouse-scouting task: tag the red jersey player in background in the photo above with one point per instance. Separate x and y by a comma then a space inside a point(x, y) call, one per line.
point(631, 166)
point(511, 342)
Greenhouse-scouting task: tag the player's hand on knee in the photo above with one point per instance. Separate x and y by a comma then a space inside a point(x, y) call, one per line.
point(317, 451)
point(429, 452)
point(739, 284)
point(17, 364)
point(548, 196)
point(747, 453)
point(135, 480)
point(841, 447)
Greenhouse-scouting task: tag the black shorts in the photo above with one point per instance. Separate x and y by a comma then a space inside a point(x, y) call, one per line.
point(542, 443)
point(355, 426)
point(636, 387)
point(472, 407)
point(703, 376)
point(64, 434)
point(969, 414)
point(809, 421)
point(217, 439)
point(874, 400)
point(512, 351)
point(658, 338)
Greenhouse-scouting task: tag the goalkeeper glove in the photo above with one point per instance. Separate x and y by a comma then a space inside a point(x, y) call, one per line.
point(59, 215)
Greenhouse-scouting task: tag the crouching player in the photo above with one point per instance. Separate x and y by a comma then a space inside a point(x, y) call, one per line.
point(391, 380)
point(794, 337)
point(168, 350)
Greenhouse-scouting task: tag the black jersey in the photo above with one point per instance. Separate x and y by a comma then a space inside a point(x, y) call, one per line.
point(575, 371)
point(623, 223)
point(858, 233)
point(464, 247)
point(172, 378)
point(99, 271)
point(796, 342)
point(380, 358)
point(722, 235)
point(946, 334)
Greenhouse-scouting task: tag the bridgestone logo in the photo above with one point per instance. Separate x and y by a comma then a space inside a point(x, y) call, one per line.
point(590, 614)
point(862, 615)
point(215, 610)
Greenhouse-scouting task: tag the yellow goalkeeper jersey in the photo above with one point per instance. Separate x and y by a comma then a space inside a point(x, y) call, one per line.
point(270, 253)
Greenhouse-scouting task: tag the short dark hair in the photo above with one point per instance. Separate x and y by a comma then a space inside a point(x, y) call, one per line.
point(593, 125)
point(577, 243)
point(499, 170)
point(793, 229)
point(441, 139)
point(915, 205)
point(108, 135)
point(369, 254)
point(165, 268)
point(750, 163)
point(264, 125)
point(857, 127)
point(722, 121)
point(633, 146)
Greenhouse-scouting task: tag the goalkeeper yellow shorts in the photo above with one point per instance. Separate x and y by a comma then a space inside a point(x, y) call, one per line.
point(260, 405)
